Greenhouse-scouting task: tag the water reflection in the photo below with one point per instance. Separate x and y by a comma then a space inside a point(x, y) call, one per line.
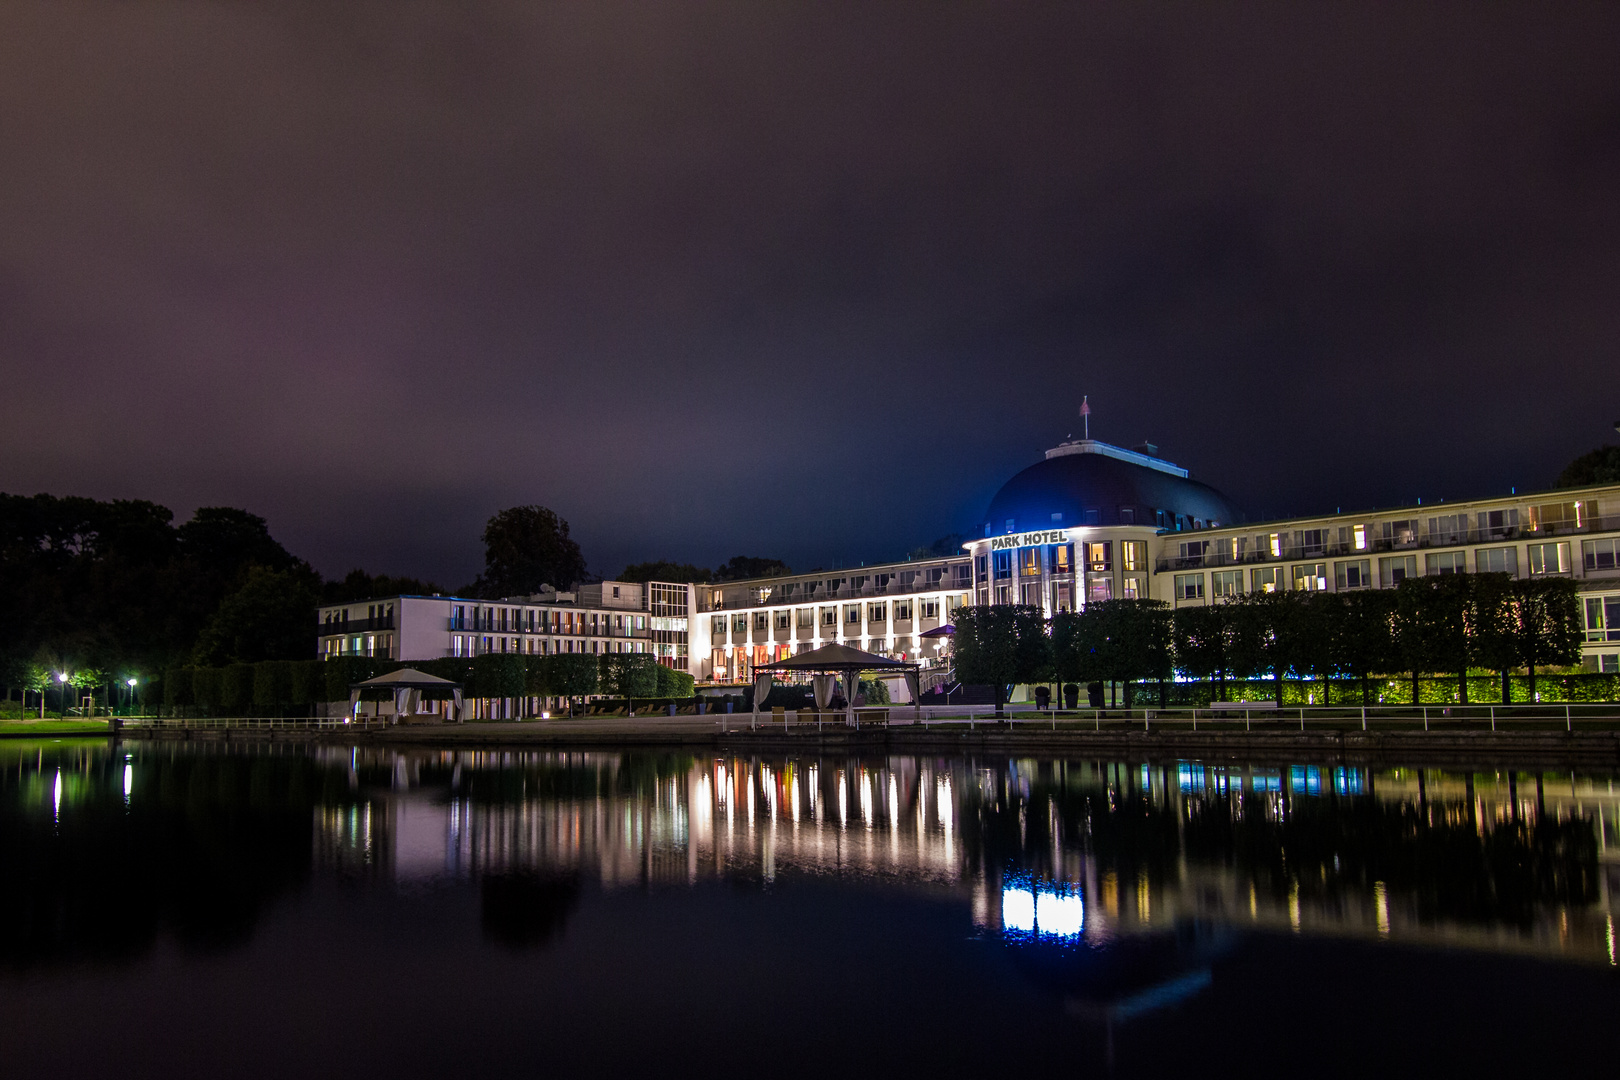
point(1160, 859)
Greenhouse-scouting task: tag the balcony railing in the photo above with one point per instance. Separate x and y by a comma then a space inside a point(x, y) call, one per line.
point(356, 626)
point(1379, 545)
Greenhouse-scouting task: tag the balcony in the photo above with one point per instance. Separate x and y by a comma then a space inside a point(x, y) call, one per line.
point(1379, 545)
point(356, 626)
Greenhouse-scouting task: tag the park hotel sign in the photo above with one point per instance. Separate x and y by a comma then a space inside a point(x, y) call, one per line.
point(1029, 539)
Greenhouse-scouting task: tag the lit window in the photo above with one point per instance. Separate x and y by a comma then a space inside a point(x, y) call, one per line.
point(1310, 577)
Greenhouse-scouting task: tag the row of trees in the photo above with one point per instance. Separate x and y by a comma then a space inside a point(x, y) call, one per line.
point(1430, 625)
point(283, 685)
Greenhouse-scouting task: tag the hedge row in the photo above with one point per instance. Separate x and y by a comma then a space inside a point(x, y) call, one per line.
point(282, 685)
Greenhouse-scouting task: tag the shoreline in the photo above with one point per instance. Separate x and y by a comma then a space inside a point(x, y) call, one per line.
point(1401, 747)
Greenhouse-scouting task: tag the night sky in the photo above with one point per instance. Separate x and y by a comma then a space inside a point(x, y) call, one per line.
point(806, 282)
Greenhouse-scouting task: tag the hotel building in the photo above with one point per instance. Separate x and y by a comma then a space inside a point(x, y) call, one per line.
point(1093, 522)
point(607, 617)
point(1089, 522)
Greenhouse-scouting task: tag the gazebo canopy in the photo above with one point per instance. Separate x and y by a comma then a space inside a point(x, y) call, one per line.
point(406, 679)
point(939, 631)
point(834, 658)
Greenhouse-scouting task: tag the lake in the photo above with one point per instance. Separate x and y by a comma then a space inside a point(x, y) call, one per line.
point(190, 909)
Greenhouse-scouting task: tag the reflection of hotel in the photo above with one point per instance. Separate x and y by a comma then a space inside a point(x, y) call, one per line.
point(920, 824)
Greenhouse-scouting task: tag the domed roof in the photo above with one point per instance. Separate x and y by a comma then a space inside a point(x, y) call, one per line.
point(1092, 483)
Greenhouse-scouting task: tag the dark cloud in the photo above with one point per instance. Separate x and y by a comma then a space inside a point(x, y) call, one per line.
point(806, 281)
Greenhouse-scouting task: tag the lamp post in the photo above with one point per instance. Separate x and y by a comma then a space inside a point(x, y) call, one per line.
point(62, 684)
point(131, 703)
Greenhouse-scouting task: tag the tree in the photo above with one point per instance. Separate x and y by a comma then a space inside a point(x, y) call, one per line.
point(1550, 626)
point(359, 585)
point(571, 675)
point(1363, 637)
point(664, 570)
point(1001, 645)
point(37, 677)
point(271, 617)
point(526, 547)
point(1600, 466)
point(947, 545)
point(675, 684)
point(628, 675)
point(1260, 637)
point(1496, 626)
point(1203, 643)
point(741, 567)
point(1433, 625)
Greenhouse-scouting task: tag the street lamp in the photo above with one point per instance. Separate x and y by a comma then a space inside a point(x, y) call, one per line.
point(62, 680)
point(131, 702)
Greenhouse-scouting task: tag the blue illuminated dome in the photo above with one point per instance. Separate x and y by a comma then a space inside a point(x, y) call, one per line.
point(1086, 482)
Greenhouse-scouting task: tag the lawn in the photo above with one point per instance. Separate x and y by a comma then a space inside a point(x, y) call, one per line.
point(33, 729)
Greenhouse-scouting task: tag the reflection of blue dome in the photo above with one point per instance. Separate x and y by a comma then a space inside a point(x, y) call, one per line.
point(1092, 483)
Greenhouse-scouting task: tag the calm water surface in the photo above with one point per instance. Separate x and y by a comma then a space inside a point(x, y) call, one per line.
point(269, 911)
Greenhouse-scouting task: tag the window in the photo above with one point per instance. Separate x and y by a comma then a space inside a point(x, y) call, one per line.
point(1003, 594)
point(615, 592)
point(902, 611)
point(1452, 529)
point(1504, 560)
point(1549, 559)
point(1352, 574)
point(1058, 516)
point(1127, 515)
point(1029, 562)
point(782, 619)
point(1603, 618)
point(1099, 557)
point(1311, 541)
point(1267, 579)
point(852, 614)
point(1446, 562)
point(1310, 577)
point(1093, 517)
point(829, 616)
point(761, 621)
point(960, 570)
point(1133, 587)
point(1010, 522)
point(1494, 524)
point(1227, 583)
point(1030, 593)
point(1189, 586)
point(1132, 555)
point(807, 618)
point(877, 613)
point(1192, 554)
point(1400, 533)
point(1556, 517)
point(1059, 558)
point(930, 609)
point(1396, 569)
point(1003, 564)
point(1062, 596)
point(1599, 554)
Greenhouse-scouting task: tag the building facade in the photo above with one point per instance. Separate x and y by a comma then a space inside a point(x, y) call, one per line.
point(1089, 522)
point(608, 617)
point(1095, 522)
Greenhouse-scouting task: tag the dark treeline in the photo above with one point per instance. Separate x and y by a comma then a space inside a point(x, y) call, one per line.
point(107, 591)
point(1448, 625)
